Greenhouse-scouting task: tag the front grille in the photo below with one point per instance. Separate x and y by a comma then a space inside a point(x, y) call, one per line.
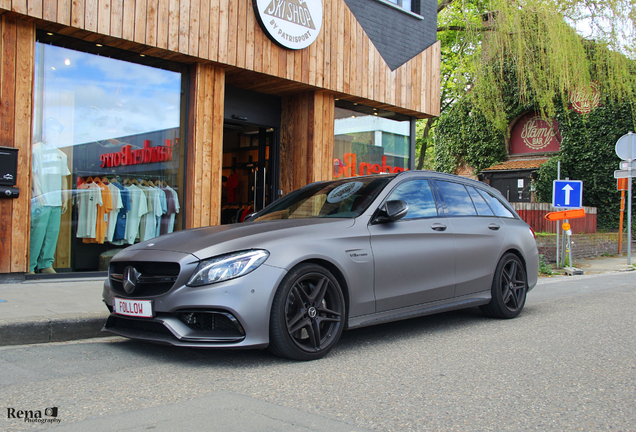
point(155, 278)
point(221, 323)
point(138, 328)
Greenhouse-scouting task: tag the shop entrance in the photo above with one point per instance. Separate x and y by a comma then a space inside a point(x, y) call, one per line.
point(249, 179)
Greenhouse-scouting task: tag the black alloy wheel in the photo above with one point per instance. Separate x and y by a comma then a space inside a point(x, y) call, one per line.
point(509, 288)
point(308, 314)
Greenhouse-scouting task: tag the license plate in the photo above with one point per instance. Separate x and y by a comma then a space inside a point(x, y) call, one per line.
point(134, 308)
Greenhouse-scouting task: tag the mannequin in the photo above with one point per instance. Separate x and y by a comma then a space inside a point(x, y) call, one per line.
point(49, 199)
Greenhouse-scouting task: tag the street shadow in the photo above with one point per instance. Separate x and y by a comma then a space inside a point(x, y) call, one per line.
point(352, 341)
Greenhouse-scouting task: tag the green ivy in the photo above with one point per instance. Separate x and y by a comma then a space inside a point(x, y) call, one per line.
point(465, 136)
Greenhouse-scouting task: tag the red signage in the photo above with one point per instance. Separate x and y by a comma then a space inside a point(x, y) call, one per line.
point(130, 156)
point(584, 103)
point(534, 134)
point(350, 168)
point(622, 184)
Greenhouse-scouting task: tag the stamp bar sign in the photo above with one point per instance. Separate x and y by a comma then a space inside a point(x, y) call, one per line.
point(292, 24)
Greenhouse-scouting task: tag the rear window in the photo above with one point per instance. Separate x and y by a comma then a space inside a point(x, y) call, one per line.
point(480, 203)
point(498, 207)
point(456, 198)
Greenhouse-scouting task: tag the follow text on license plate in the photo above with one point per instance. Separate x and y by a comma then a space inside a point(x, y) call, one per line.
point(135, 308)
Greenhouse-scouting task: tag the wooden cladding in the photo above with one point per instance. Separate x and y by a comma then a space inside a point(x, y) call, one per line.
point(17, 45)
point(307, 139)
point(205, 145)
point(342, 59)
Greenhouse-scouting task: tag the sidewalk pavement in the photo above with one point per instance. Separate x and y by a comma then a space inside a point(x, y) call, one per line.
point(58, 310)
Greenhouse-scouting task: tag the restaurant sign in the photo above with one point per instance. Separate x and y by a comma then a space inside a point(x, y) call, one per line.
point(584, 102)
point(534, 134)
point(292, 24)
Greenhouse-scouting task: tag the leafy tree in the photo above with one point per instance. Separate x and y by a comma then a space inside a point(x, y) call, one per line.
point(482, 39)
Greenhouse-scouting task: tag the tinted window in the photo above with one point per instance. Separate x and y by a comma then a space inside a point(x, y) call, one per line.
point(418, 195)
point(498, 207)
point(456, 198)
point(480, 203)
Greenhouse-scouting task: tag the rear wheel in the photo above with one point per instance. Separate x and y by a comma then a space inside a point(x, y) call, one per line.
point(509, 288)
point(308, 314)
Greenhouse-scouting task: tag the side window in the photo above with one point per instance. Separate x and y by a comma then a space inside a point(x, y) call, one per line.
point(480, 203)
point(456, 198)
point(497, 206)
point(418, 195)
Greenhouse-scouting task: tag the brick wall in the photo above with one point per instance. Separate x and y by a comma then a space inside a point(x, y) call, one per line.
point(583, 245)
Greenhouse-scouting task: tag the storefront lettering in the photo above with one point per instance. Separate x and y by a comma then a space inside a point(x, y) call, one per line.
point(130, 156)
point(291, 11)
point(584, 103)
point(350, 168)
point(537, 133)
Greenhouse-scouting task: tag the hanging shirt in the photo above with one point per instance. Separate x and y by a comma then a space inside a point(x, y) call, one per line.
point(152, 215)
point(170, 211)
point(164, 209)
point(176, 209)
point(120, 225)
point(101, 223)
point(138, 208)
point(89, 197)
point(232, 186)
point(113, 215)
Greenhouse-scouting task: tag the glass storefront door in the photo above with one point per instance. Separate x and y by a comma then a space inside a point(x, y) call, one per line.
point(247, 175)
point(108, 157)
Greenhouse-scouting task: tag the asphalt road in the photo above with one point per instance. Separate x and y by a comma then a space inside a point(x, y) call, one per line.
point(568, 363)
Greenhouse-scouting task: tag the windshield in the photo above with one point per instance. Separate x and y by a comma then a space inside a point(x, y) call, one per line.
point(345, 198)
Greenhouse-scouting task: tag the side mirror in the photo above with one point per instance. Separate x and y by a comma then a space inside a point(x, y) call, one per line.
point(391, 211)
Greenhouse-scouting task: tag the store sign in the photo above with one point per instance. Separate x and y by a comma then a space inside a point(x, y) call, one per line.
point(130, 156)
point(534, 134)
point(292, 24)
point(584, 103)
point(350, 167)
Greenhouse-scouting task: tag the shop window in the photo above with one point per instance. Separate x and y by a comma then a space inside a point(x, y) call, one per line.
point(108, 157)
point(370, 141)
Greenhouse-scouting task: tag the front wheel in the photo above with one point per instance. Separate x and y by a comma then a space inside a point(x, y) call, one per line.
point(308, 314)
point(509, 288)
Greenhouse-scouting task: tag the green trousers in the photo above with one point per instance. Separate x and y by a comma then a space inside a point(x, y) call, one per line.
point(45, 228)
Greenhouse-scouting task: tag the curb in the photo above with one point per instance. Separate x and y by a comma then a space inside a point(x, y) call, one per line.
point(59, 329)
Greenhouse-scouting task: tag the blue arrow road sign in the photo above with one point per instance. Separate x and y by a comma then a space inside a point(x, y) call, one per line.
point(567, 193)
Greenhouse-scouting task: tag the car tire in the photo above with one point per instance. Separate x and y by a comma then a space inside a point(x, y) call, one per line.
point(509, 288)
point(308, 314)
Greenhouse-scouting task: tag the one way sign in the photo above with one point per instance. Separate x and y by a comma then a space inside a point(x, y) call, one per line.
point(567, 193)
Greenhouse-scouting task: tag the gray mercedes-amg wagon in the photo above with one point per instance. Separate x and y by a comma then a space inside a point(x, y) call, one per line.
point(331, 256)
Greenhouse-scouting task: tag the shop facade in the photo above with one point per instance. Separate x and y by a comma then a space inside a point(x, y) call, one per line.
point(134, 119)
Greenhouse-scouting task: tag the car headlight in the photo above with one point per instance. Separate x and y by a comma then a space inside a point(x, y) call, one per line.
point(225, 267)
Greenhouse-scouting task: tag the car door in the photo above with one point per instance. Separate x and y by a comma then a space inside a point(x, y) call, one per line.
point(413, 257)
point(478, 235)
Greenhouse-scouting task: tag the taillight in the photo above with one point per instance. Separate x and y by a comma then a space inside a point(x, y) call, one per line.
point(533, 234)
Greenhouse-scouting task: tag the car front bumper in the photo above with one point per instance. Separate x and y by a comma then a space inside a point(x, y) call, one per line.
point(230, 314)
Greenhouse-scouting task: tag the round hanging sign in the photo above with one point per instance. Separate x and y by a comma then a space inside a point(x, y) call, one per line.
point(292, 24)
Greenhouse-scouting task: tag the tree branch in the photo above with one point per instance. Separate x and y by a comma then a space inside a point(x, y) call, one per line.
point(443, 5)
point(464, 28)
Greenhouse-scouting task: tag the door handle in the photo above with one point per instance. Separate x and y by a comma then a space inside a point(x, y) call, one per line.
point(438, 227)
point(493, 226)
